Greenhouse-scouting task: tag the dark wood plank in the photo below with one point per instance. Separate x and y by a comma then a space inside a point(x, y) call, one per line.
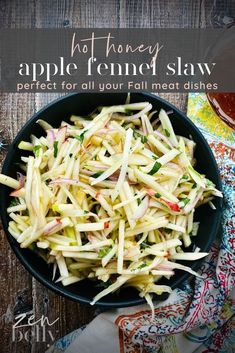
point(161, 14)
point(99, 14)
point(16, 289)
point(58, 14)
point(16, 284)
point(17, 14)
point(219, 13)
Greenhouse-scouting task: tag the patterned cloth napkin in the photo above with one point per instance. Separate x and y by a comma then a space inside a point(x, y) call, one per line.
point(197, 318)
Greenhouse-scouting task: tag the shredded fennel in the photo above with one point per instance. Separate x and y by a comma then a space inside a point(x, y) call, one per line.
point(110, 198)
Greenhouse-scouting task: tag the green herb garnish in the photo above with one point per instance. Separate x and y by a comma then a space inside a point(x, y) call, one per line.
point(141, 266)
point(185, 200)
point(36, 150)
point(96, 175)
point(167, 133)
point(194, 186)
point(185, 176)
point(55, 145)
point(80, 137)
point(138, 201)
point(155, 168)
point(104, 251)
point(125, 124)
point(157, 195)
point(143, 138)
point(14, 202)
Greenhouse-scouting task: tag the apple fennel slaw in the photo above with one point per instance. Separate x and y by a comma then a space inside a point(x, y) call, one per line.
point(110, 196)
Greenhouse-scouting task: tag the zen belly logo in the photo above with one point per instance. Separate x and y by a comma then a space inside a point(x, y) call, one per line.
point(29, 329)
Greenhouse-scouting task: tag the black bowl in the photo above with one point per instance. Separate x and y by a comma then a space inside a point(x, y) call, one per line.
point(83, 104)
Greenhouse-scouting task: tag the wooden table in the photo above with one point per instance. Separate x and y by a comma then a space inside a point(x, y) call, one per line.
point(19, 292)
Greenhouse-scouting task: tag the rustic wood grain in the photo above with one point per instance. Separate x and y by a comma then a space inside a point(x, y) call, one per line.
point(20, 293)
point(16, 284)
point(16, 289)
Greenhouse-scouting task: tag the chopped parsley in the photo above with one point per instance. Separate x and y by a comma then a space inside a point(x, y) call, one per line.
point(36, 150)
point(185, 201)
point(14, 202)
point(155, 168)
point(125, 124)
point(167, 133)
point(104, 251)
point(185, 176)
point(194, 186)
point(80, 137)
point(96, 175)
point(55, 148)
point(143, 138)
point(70, 155)
point(157, 195)
point(141, 266)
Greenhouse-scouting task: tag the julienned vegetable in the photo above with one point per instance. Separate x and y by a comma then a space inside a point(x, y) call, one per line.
point(110, 198)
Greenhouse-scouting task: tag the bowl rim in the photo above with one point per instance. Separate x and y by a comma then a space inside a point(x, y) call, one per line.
point(63, 291)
